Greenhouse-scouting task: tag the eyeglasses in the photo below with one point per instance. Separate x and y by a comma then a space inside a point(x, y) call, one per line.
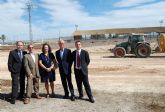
point(31, 47)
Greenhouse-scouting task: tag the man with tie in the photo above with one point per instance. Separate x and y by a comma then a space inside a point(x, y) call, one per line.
point(15, 66)
point(32, 73)
point(81, 62)
point(64, 59)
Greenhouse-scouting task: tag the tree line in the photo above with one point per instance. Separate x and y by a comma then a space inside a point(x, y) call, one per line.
point(3, 38)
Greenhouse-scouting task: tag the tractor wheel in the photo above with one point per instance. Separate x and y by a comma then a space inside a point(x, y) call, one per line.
point(119, 52)
point(143, 51)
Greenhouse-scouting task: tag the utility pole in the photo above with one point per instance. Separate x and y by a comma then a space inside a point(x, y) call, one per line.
point(29, 8)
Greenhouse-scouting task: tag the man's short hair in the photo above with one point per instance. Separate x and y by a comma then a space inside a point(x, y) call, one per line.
point(29, 45)
point(61, 41)
point(19, 41)
point(77, 41)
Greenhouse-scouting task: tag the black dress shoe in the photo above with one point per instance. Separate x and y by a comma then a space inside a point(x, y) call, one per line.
point(66, 97)
point(92, 100)
point(80, 97)
point(72, 98)
point(12, 101)
point(20, 97)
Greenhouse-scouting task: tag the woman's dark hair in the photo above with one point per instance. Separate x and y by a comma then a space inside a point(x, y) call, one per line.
point(49, 51)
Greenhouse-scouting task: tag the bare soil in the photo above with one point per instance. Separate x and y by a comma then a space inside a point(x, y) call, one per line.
point(127, 84)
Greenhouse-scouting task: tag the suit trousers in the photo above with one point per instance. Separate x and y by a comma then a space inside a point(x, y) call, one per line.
point(82, 78)
point(67, 81)
point(18, 80)
point(32, 83)
point(22, 83)
point(15, 85)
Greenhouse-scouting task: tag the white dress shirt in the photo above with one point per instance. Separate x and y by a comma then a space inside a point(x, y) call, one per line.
point(61, 53)
point(33, 57)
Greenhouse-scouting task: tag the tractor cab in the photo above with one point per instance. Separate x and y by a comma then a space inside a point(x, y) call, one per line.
point(133, 40)
point(136, 38)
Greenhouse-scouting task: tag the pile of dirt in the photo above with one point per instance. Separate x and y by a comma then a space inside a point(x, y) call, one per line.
point(107, 69)
point(5, 83)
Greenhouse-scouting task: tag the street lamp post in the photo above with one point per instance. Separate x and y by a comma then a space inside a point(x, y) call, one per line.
point(59, 33)
point(76, 26)
point(161, 23)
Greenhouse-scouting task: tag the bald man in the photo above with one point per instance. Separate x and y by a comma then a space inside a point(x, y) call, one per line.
point(64, 58)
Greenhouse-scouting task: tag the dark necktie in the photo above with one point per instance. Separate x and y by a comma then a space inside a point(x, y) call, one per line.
point(78, 59)
point(20, 55)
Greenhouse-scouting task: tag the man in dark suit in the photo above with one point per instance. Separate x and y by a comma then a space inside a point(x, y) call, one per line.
point(64, 59)
point(15, 66)
point(81, 62)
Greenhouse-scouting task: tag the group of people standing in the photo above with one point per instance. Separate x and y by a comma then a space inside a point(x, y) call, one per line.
point(42, 66)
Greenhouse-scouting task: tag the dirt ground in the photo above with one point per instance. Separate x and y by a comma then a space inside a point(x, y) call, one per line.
point(127, 84)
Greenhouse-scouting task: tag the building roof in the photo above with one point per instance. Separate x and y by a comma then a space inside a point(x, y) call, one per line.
point(120, 31)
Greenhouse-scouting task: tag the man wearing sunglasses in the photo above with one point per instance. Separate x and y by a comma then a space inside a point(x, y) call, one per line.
point(32, 73)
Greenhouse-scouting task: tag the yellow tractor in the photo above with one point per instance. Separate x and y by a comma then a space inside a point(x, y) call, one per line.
point(161, 44)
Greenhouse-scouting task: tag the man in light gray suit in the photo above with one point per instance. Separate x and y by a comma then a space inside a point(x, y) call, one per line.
point(32, 73)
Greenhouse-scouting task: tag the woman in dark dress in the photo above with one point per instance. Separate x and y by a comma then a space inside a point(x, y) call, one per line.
point(46, 62)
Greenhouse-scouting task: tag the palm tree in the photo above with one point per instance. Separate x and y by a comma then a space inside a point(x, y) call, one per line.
point(3, 38)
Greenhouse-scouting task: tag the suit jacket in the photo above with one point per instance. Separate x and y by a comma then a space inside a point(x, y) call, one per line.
point(15, 65)
point(84, 61)
point(66, 61)
point(30, 66)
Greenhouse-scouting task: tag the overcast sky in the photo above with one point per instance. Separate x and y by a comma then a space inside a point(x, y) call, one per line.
point(51, 18)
